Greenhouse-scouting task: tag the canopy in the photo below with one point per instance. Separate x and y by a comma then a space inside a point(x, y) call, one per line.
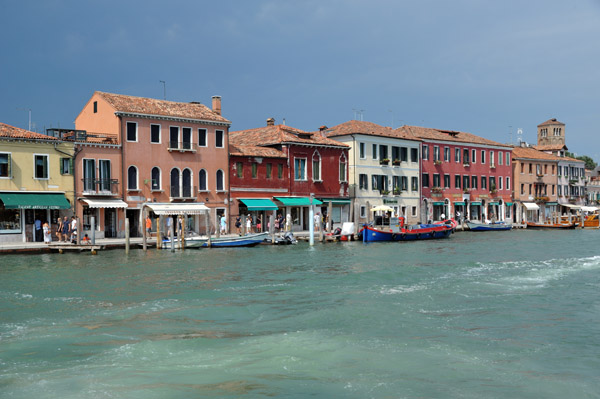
point(336, 201)
point(509, 204)
point(459, 203)
point(589, 208)
point(191, 208)
point(259, 204)
point(571, 206)
point(34, 201)
point(105, 203)
point(298, 201)
point(476, 203)
point(494, 203)
point(383, 208)
point(531, 206)
point(438, 203)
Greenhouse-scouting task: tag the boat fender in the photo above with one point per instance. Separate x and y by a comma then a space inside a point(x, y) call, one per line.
point(418, 235)
point(393, 236)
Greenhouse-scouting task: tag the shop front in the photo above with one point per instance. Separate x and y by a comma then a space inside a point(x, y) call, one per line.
point(296, 211)
point(23, 214)
point(337, 211)
point(105, 213)
point(258, 210)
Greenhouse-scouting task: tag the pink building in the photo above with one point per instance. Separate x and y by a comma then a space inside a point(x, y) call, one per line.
point(142, 151)
point(463, 173)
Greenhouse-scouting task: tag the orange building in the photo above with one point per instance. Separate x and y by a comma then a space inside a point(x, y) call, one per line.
point(137, 151)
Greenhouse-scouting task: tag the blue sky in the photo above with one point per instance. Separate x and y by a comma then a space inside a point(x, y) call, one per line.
point(484, 67)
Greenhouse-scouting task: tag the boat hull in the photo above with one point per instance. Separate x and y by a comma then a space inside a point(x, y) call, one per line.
point(488, 227)
point(531, 225)
point(249, 240)
point(425, 232)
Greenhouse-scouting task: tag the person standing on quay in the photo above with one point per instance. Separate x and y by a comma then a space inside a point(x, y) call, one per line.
point(249, 225)
point(47, 233)
point(73, 230)
point(223, 225)
point(148, 226)
point(238, 224)
point(38, 230)
point(65, 229)
point(59, 229)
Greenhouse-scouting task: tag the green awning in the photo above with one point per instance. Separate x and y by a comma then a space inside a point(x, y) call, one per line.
point(34, 201)
point(477, 203)
point(509, 204)
point(336, 201)
point(438, 203)
point(459, 203)
point(297, 201)
point(494, 203)
point(551, 203)
point(259, 204)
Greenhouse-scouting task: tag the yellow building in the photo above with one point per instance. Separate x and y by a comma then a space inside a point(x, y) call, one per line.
point(36, 183)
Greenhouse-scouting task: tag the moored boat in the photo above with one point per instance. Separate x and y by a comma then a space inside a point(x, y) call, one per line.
point(248, 240)
point(478, 226)
point(409, 233)
point(567, 225)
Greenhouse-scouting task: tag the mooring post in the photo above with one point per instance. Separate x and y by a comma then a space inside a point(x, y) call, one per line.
point(77, 235)
point(183, 232)
point(218, 231)
point(93, 227)
point(145, 232)
point(158, 236)
point(272, 227)
point(172, 233)
point(207, 223)
point(126, 235)
point(311, 222)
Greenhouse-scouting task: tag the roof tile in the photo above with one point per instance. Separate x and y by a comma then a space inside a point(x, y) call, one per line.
point(18, 133)
point(425, 133)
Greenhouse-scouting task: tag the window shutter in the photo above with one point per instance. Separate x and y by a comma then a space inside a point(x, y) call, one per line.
point(9, 167)
point(71, 166)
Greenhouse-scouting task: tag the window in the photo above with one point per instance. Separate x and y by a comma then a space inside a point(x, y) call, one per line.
point(174, 137)
point(41, 166)
point(201, 137)
point(446, 154)
point(457, 155)
point(5, 165)
point(155, 134)
point(132, 178)
point(508, 158)
point(395, 153)
point(131, 131)
point(239, 169)
point(492, 158)
point(522, 168)
point(447, 181)
point(362, 151)
point(436, 180)
point(558, 190)
point(220, 181)
point(155, 178)
point(254, 170)
point(473, 182)
point(414, 155)
point(363, 211)
point(95, 107)
point(396, 184)
point(507, 183)
point(404, 154)
point(269, 170)
point(474, 156)
point(343, 177)
point(202, 180)
point(413, 211)
point(457, 181)
point(425, 152)
point(186, 183)
point(219, 139)
point(436, 153)
point(316, 166)
point(186, 138)
point(175, 187)
point(493, 183)
point(414, 183)
point(383, 152)
point(425, 179)
point(374, 149)
point(89, 175)
point(500, 157)
point(280, 171)
point(363, 182)
point(483, 157)
point(499, 183)
point(483, 183)
point(466, 157)
point(299, 168)
point(465, 182)
point(404, 183)
point(104, 175)
point(66, 166)
point(530, 168)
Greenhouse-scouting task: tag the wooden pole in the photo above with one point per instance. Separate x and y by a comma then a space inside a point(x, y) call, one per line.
point(272, 227)
point(78, 234)
point(158, 236)
point(330, 217)
point(183, 232)
point(93, 231)
point(144, 231)
point(218, 232)
point(126, 235)
point(172, 234)
point(207, 223)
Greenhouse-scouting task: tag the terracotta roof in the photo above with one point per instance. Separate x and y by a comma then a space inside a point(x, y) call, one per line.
point(426, 133)
point(532, 153)
point(367, 128)
point(279, 134)
point(569, 159)
point(151, 106)
point(18, 133)
point(552, 121)
point(550, 147)
point(255, 151)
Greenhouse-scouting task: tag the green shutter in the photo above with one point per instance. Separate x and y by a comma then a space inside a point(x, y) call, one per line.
point(9, 167)
point(71, 167)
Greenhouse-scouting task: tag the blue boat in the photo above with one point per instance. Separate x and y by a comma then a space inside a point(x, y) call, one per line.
point(478, 226)
point(412, 233)
point(248, 240)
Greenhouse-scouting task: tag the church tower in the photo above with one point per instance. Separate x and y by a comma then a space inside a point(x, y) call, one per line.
point(551, 134)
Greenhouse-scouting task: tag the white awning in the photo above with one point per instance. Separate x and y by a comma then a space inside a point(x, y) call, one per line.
point(570, 206)
point(191, 208)
point(531, 206)
point(105, 203)
point(589, 208)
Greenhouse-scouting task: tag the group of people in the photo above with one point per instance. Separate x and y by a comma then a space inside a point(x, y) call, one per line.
point(66, 231)
point(257, 227)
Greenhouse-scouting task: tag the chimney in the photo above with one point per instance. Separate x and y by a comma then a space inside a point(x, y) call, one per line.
point(271, 122)
point(216, 104)
point(323, 128)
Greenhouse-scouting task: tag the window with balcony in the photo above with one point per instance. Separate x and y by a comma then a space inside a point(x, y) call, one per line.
point(174, 137)
point(186, 138)
point(89, 175)
point(105, 182)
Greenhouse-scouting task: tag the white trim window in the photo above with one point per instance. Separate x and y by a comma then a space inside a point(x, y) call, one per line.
point(457, 155)
point(174, 137)
point(156, 182)
point(155, 133)
point(507, 158)
point(186, 138)
point(5, 165)
point(482, 157)
point(500, 157)
point(363, 211)
point(131, 131)
point(132, 178)
point(316, 166)
point(220, 180)
point(299, 168)
point(219, 139)
point(202, 142)
point(202, 181)
point(374, 152)
point(425, 150)
point(362, 150)
point(40, 166)
point(89, 174)
point(507, 182)
point(343, 166)
point(473, 155)
point(446, 154)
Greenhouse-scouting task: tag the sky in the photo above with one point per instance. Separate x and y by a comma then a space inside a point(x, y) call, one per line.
point(484, 67)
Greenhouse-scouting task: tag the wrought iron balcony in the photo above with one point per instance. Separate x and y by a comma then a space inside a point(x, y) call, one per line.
point(181, 146)
point(100, 186)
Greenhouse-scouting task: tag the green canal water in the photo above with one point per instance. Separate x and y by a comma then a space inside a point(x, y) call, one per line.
point(480, 315)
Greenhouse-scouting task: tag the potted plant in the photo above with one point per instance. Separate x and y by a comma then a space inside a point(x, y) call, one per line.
point(437, 162)
point(384, 161)
point(396, 191)
point(493, 189)
point(396, 162)
point(385, 192)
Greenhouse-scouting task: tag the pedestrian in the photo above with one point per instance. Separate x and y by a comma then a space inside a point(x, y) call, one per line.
point(169, 224)
point(65, 229)
point(317, 221)
point(47, 233)
point(277, 223)
point(223, 225)
point(249, 224)
point(59, 229)
point(73, 230)
point(38, 230)
point(148, 226)
point(238, 225)
point(258, 224)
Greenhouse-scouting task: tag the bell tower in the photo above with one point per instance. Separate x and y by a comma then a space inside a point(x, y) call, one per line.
point(551, 133)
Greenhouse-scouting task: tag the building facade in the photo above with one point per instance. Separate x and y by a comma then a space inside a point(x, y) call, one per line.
point(36, 183)
point(384, 167)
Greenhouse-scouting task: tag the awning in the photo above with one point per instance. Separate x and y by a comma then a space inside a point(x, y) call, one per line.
point(438, 203)
point(259, 204)
point(476, 203)
point(34, 201)
point(494, 203)
point(178, 209)
point(336, 201)
point(509, 204)
point(459, 203)
point(297, 201)
point(551, 203)
point(105, 203)
point(589, 208)
point(531, 206)
point(571, 206)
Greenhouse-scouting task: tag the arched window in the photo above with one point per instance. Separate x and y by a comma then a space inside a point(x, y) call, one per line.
point(132, 178)
point(186, 183)
point(156, 183)
point(343, 174)
point(220, 182)
point(175, 192)
point(316, 166)
point(202, 180)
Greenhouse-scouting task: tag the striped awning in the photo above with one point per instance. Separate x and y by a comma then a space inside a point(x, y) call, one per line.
point(191, 208)
point(105, 203)
point(531, 206)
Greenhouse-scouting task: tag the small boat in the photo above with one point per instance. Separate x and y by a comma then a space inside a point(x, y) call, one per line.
point(248, 240)
point(478, 226)
point(567, 225)
point(409, 233)
point(591, 221)
point(286, 239)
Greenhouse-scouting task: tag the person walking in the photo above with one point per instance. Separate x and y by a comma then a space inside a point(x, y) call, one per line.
point(59, 229)
point(47, 233)
point(223, 225)
point(73, 230)
point(238, 225)
point(249, 225)
point(65, 229)
point(148, 226)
